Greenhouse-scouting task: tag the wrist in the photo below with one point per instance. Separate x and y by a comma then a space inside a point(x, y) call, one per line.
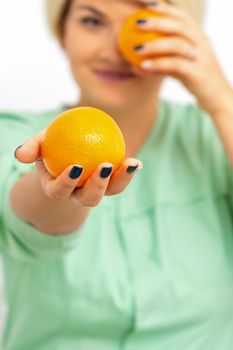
point(223, 107)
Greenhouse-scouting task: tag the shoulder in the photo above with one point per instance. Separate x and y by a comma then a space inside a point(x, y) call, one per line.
point(190, 124)
point(32, 118)
point(186, 114)
point(17, 126)
point(193, 139)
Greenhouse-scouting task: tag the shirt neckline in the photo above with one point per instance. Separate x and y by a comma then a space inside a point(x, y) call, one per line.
point(155, 130)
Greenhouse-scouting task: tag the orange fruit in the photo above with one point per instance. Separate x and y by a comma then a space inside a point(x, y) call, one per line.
point(83, 136)
point(131, 35)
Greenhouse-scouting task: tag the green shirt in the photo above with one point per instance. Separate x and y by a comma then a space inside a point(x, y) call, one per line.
point(151, 268)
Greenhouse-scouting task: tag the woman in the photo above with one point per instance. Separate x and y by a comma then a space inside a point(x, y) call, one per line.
point(151, 267)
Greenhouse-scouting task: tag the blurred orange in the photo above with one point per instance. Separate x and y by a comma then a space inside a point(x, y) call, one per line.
point(83, 136)
point(131, 35)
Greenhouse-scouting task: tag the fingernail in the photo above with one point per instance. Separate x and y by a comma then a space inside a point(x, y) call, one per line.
point(152, 3)
point(17, 150)
point(132, 168)
point(105, 172)
point(147, 64)
point(141, 21)
point(75, 172)
point(138, 48)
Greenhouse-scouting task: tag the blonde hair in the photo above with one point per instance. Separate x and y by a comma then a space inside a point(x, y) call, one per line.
point(55, 11)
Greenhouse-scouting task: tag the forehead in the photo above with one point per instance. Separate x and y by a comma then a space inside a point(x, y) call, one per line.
point(114, 8)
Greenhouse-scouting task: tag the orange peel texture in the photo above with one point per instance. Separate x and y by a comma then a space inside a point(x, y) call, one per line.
point(83, 136)
point(131, 36)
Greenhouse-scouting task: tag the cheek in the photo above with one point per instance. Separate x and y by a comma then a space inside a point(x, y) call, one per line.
point(80, 47)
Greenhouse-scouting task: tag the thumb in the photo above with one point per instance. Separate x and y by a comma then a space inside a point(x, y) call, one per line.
point(29, 152)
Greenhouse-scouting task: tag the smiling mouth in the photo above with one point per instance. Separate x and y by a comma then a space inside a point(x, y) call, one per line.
point(114, 75)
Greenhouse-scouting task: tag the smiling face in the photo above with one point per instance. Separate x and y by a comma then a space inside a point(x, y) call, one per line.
point(90, 36)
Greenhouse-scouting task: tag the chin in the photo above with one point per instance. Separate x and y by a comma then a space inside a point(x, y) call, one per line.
point(113, 101)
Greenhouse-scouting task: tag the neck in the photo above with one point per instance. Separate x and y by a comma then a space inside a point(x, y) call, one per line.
point(134, 121)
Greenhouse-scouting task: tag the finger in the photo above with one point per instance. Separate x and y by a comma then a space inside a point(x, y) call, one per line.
point(148, 3)
point(43, 172)
point(121, 179)
point(145, 73)
point(30, 151)
point(175, 66)
point(61, 187)
point(168, 46)
point(169, 9)
point(169, 26)
point(94, 189)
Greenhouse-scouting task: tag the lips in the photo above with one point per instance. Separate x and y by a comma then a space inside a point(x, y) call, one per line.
point(114, 74)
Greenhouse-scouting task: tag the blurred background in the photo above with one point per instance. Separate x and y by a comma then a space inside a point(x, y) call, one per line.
point(34, 74)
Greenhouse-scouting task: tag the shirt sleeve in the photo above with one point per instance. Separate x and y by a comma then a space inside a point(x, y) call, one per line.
point(17, 237)
point(216, 153)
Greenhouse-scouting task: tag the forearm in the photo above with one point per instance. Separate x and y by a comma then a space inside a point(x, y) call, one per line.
point(51, 216)
point(223, 120)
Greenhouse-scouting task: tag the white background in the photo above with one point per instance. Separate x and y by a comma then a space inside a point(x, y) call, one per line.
point(34, 74)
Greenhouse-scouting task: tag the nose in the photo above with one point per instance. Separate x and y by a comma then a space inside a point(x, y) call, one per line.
point(110, 50)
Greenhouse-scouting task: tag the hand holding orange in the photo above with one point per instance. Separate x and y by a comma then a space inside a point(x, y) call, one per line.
point(84, 136)
point(131, 36)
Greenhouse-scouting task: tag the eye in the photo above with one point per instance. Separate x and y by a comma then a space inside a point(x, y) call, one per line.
point(90, 21)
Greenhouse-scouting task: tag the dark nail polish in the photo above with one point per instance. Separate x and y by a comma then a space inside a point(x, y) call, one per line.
point(141, 21)
point(138, 48)
point(75, 172)
point(131, 169)
point(105, 172)
point(17, 150)
point(152, 3)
